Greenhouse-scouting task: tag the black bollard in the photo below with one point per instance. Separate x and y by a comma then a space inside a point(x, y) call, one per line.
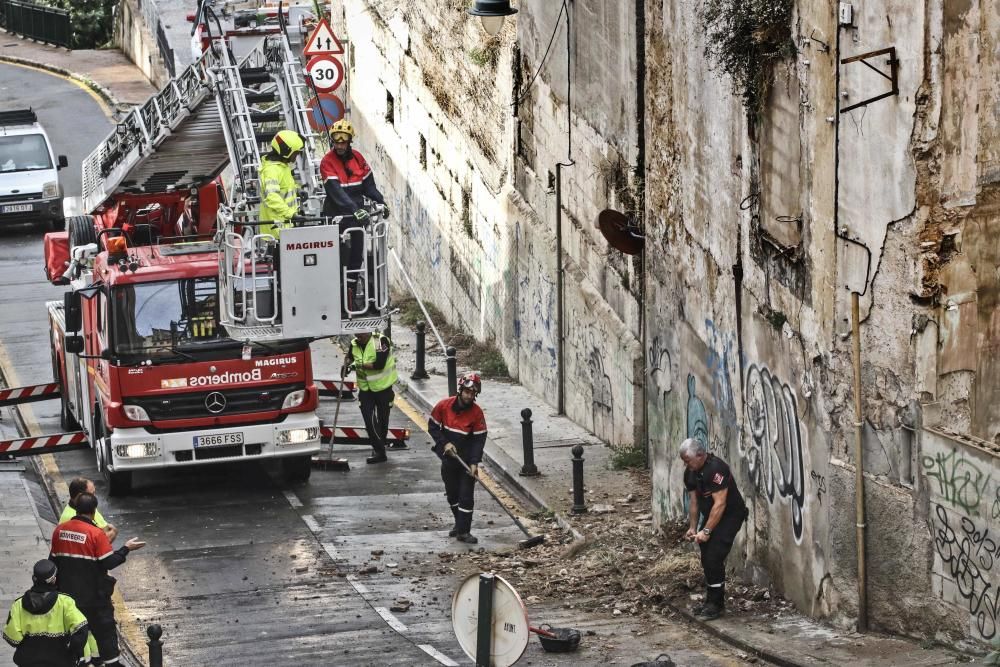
point(155, 646)
point(420, 372)
point(528, 445)
point(452, 364)
point(579, 504)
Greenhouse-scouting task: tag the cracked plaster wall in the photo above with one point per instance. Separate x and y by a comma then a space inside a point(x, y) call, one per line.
point(772, 389)
point(469, 184)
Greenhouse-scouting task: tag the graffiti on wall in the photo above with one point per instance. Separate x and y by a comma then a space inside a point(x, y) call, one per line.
point(773, 447)
point(968, 556)
point(958, 481)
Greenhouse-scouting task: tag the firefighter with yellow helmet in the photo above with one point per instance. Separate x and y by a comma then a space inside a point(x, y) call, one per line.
point(278, 189)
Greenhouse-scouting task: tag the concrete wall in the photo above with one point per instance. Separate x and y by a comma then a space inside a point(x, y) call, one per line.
point(758, 231)
point(470, 184)
point(137, 40)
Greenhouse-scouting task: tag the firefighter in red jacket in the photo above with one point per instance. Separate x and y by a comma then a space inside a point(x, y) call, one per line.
point(458, 428)
point(348, 180)
point(83, 554)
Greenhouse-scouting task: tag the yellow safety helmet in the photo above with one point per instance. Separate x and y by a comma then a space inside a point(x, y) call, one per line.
point(287, 142)
point(343, 128)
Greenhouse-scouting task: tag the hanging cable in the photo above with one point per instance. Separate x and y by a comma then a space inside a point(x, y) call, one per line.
point(541, 64)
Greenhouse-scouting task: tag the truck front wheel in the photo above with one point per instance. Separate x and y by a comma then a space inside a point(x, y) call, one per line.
point(119, 482)
point(297, 468)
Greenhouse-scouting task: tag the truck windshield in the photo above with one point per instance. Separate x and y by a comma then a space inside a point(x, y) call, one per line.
point(162, 317)
point(24, 152)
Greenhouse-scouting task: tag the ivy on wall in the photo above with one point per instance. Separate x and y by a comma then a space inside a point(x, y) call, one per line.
point(746, 39)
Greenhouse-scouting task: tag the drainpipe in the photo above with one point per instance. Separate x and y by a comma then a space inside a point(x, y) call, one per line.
point(560, 290)
point(859, 473)
point(859, 469)
point(560, 328)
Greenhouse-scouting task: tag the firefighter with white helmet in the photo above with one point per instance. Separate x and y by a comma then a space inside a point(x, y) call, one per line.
point(278, 189)
point(458, 428)
point(348, 180)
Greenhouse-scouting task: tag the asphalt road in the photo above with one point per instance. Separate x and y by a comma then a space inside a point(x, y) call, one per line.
point(70, 115)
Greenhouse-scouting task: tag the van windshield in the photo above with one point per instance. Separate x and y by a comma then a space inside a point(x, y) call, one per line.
point(161, 317)
point(24, 152)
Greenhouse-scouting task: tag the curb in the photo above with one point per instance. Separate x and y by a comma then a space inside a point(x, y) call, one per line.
point(735, 642)
point(113, 103)
point(507, 478)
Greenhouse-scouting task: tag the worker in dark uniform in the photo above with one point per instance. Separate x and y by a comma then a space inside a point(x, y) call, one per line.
point(717, 512)
point(44, 626)
point(348, 181)
point(83, 553)
point(375, 367)
point(458, 428)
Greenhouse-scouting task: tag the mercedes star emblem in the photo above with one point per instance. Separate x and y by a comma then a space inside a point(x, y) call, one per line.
point(215, 402)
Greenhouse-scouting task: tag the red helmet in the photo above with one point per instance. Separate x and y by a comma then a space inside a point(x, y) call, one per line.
point(471, 381)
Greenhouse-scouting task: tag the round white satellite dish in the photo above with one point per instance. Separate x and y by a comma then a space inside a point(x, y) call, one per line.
point(510, 621)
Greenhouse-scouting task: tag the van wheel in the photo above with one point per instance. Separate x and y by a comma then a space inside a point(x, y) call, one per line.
point(297, 468)
point(81, 230)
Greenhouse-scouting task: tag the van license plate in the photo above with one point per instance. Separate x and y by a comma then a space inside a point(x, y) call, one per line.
point(17, 208)
point(218, 440)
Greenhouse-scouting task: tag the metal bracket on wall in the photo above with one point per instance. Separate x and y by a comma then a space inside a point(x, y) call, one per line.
point(891, 76)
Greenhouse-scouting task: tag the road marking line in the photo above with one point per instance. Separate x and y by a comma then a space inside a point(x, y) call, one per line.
point(105, 109)
point(330, 550)
point(393, 622)
point(437, 655)
point(293, 499)
point(311, 523)
point(358, 586)
point(415, 416)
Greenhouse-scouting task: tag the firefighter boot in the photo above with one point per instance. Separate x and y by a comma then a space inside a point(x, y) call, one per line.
point(715, 605)
point(378, 456)
point(454, 530)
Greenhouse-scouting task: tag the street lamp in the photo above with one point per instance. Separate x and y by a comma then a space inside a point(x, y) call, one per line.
point(492, 13)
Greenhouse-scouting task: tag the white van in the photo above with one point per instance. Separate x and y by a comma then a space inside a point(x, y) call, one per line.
point(29, 179)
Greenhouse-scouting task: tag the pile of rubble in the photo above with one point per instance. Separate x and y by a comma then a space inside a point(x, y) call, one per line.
point(622, 566)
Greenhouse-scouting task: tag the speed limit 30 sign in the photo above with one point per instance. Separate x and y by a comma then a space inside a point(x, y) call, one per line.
point(326, 72)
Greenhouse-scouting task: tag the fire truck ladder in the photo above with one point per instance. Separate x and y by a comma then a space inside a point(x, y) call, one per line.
point(173, 141)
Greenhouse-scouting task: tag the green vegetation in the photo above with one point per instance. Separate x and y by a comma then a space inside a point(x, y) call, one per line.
point(90, 21)
point(746, 39)
point(623, 458)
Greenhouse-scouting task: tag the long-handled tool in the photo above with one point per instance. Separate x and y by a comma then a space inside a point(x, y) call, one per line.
point(329, 461)
point(454, 455)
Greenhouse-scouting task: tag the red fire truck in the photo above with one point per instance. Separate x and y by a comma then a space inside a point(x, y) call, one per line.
point(184, 337)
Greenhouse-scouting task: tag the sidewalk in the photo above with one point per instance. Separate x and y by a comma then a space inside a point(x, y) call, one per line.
point(785, 638)
point(108, 72)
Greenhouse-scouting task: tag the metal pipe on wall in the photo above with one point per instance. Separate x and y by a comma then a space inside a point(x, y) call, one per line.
point(859, 473)
point(560, 327)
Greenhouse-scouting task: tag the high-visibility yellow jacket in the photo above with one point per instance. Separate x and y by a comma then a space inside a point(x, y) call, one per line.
point(375, 379)
point(279, 195)
point(45, 627)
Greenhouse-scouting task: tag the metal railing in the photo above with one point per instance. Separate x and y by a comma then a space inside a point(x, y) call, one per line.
point(44, 24)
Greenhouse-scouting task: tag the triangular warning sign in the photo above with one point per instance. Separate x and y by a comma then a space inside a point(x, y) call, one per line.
point(322, 41)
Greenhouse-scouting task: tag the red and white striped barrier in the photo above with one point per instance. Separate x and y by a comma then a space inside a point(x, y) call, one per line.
point(358, 435)
point(29, 394)
point(45, 444)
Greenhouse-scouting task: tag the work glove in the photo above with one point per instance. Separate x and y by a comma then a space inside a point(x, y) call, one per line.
point(474, 470)
point(385, 211)
point(361, 215)
point(449, 449)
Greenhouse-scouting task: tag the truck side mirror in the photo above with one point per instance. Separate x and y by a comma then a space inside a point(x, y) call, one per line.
point(63, 162)
point(74, 344)
point(72, 311)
